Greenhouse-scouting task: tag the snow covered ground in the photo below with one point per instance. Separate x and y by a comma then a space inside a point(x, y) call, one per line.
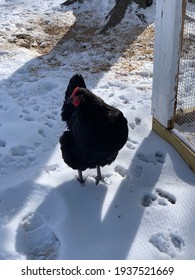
point(145, 209)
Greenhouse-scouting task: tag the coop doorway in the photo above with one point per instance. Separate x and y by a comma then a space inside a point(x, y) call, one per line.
point(173, 98)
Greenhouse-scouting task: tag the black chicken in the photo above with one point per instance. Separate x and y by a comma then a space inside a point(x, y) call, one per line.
point(95, 131)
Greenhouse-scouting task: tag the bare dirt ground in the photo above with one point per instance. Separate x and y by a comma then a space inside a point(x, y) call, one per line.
point(124, 47)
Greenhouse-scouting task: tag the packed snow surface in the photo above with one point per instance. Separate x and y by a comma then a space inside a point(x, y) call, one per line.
point(145, 207)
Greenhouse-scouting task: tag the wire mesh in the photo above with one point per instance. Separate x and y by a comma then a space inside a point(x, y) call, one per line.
point(185, 111)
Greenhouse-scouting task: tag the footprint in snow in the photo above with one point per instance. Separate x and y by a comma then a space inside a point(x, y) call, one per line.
point(137, 122)
point(121, 170)
point(137, 170)
point(168, 243)
point(166, 195)
point(41, 243)
point(31, 103)
point(158, 157)
point(20, 157)
point(3, 143)
point(48, 123)
point(162, 197)
point(25, 111)
point(133, 107)
point(124, 99)
point(148, 199)
point(111, 95)
point(132, 125)
point(19, 151)
point(131, 144)
point(143, 157)
point(51, 116)
point(4, 108)
point(42, 132)
point(51, 168)
point(29, 119)
point(36, 108)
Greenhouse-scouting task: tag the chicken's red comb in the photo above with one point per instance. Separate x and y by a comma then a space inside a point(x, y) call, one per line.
point(75, 91)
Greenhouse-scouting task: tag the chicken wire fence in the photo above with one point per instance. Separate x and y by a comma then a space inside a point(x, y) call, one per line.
point(185, 111)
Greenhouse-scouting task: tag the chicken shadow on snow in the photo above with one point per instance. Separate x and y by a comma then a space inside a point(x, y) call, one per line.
point(94, 226)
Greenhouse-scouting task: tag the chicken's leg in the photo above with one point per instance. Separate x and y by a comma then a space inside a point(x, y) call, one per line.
point(80, 178)
point(99, 175)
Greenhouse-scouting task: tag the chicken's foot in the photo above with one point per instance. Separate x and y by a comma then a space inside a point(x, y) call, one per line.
point(80, 178)
point(99, 175)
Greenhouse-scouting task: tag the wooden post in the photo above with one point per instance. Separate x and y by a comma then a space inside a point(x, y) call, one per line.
point(168, 38)
point(181, 147)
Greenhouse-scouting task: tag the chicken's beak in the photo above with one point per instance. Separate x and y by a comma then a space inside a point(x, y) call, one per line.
point(69, 100)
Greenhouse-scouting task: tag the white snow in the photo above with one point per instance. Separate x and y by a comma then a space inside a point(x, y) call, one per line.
point(145, 209)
